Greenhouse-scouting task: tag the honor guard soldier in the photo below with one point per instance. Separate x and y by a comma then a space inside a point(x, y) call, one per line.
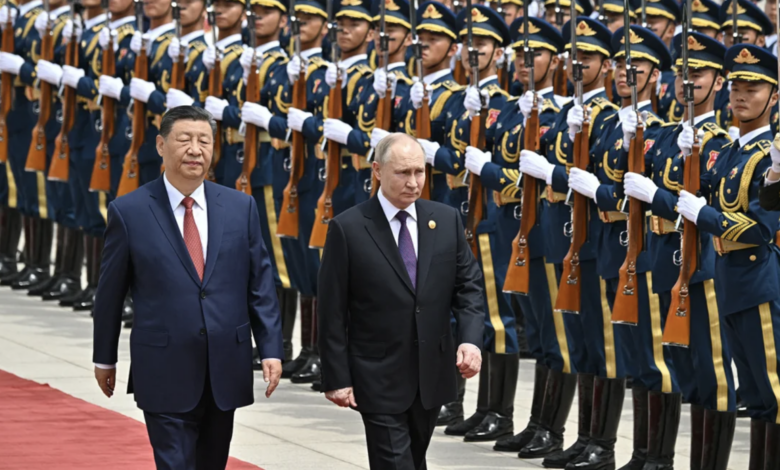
point(583, 7)
point(66, 280)
point(630, 293)
point(593, 349)
point(611, 15)
point(706, 18)
point(193, 42)
point(662, 17)
point(703, 370)
point(23, 192)
point(746, 268)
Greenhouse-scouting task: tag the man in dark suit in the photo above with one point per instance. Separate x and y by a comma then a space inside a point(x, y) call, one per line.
point(393, 269)
point(191, 254)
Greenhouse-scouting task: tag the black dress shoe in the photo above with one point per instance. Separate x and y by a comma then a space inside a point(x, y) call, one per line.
point(594, 457)
point(560, 458)
point(637, 462)
point(466, 425)
point(310, 371)
point(39, 289)
point(68, 301)
point(492, 428)
point(518, 441)
point(14, 276)
point(34, 276)
point(291, 367)
point(451, 413)
point(87, 301)
point(316, 386)
point(544, 443)
point(62, 288)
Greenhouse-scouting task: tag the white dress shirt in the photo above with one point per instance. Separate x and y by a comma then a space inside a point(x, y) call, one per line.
point(395, 224)
point(199, 211)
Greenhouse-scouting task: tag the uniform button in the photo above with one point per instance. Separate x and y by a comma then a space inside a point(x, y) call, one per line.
point(203, 294)
point(752, 257)
point(417, 310)
point(202, 331)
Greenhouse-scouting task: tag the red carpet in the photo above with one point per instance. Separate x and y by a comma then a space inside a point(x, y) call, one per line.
point(42, 429)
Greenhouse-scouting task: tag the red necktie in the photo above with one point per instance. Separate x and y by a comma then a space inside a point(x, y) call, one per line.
point(192, 237)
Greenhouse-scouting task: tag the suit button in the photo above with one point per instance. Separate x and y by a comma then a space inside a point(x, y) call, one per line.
point(417, 310)
point(202, 331)
point(203, 294)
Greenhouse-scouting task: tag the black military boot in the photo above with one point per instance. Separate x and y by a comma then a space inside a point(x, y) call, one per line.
point(68, 283)
point(639, 456)
point(757, 442)
point(312, 368)
point(460, 429)
point(664, 421)
point(43, 234)
point(560, 458)
point(38, 289)
point(599, 454)
point(87, 300)
point(518, 441)
point(558, 396)
point(772, 447)
point(291, 367)
point(452, 413)
point(68, 301)
point(10, 232)
point(27, 255)
point(718, 427)
point(498, 422)
point(697, 436)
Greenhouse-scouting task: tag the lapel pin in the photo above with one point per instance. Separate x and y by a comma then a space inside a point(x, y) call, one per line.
point(431, 224)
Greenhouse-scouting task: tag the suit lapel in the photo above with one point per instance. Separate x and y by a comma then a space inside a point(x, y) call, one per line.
point(426, 240)
point(379, 230)
point(161, 208)
point(215, 229)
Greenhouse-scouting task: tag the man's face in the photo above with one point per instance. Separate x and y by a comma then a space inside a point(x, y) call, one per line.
point(268, 21)
point(352, 33)
point(750, 99)
point(90, 3)
point(662, 27)
point(510, 11)
point(711, 32)
point(311, 27)
point(156, 8)
point(549, 16)
point(435, 48)
point(643, 74)
point(749, 36)
point(227, 13)
point(702, 79)
point(542, 64)
point(399, 36)
point(192, 11)
point(488, 51)
point(615, 21)
point(114, 6)
point(403, 174)
point(188, 149)
point(593, 65)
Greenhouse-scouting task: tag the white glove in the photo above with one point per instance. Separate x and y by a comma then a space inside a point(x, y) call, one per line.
point(246, 60)
point(639, 187)
point(137, 42)
point(10, 63)
point(175, 47)
point(574, 119)
point(417, 92)
point(472, 102)
point(70, 76)
point(536, 166)
point(430, 150)
point(296, 118)
point(330, 76)
point(4, 15)
point(334, 129)
point(629, 129)
point(175, 98)
point(216, 107)
point(210, 57)
point(41, 22)
point(377, 135)
point(294, 68)
point(685, 139)
point(526, 103)
point(476, 159)
point(689, 205)
point(380, 83)
point(110, 86)
point(103, 37)
point(584, 182)
point(774, 152)
point(734, 133)
point(256, 114)
point(141, 89)
point(49, 73)
point(67, 31)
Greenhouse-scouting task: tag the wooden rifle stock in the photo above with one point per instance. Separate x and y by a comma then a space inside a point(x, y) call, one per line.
point(332, 175)
point(288, 218)
point(608, 81)
point(423, 122)
point(677, 331)
point(626, 308)
point(36, 156)
point(476, 191)
point(503, 78)
point(129, 181)
point(559, 80)
point(384, 121)
point(59, 169)
point(243, 183)
point(101, 171)
point(654, 99)
point(177, 72)
point(215, 89)
point(459, 74)
point(6, 90)
point(570, 286)
point(519, 271)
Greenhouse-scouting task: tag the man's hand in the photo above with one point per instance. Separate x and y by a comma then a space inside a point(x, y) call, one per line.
point(106, 379)
point(344, 397)
point(272, 372)
point(469, 360)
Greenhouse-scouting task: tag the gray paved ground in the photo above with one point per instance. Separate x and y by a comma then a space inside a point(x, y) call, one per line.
point(297, 428)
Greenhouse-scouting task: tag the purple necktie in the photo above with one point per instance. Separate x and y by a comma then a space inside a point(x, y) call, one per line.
point(406, 248)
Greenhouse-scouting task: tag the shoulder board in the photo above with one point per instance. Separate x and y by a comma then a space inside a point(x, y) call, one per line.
point(514, 98)
point(712, 128)
point(401, 77)
point(601, 102)
point(362, 69)
point(451, 85)
point(670, 124)
point(317, 61)
point(198, 46)
point(653, 120)
point(549, 105)
point(274, 55)
point(123, 31)
point(494, 90)
point(162, 50)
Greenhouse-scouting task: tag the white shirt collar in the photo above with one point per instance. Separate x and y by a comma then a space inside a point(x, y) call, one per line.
point(590, 94)
point(120, 21)
point(347, 63)
point(747, 138)
point(187, 38)
point(263, 48)
point(390, 210)
point(24, 9)
point(175, 196)
point(487, 79)
point(310, 52)
point(395, 65)
point(92, 22)
point(58, 11)
point(223, 43)
point(544, 91)
point(624, 111)
point(698, 119)
point(432, 77)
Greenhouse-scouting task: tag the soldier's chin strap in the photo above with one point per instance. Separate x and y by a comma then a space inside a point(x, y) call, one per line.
point(360, 44)
point(598, 76)
point(712, 85)
point(444, 57)
point(766, 105)
point(546, 71)
point(647, 82)
point(400, 44)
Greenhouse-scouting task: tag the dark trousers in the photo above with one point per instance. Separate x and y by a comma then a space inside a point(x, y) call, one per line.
point(400, 441)
point(195, 440)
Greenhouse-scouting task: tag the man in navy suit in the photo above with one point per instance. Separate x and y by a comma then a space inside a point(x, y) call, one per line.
point(192, 255)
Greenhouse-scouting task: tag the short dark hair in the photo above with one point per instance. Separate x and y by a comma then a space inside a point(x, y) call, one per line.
point(185, 113)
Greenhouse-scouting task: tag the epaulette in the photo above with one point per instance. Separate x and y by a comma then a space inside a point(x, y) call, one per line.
point(513, 99)
point(599, 102)
point(401, 77)
point(162, 49)
point(230, 54)
point(451, 85)
point(750, 168)
point(712, 128)
point(549, 105)
point(123, 31)
point(194, 50)
point(493, 90)
point(269, 58)
point(670, 124)
point(653, 120)
point(361, 69)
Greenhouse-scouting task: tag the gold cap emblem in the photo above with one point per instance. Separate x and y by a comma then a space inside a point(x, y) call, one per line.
point(695, 45)
point(746, 57)
point(740, 10)
point(584, 29)
point(431, 224)
point(699, 7)
point(431, 13)
point(635, 39)
point(351, 3)
point(390, 5)
point(478, 17)
point(532, 28)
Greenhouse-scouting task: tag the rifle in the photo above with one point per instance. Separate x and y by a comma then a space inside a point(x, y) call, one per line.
point(518, 273)
point(459, 72)
point(59, 169)
point(423, 114)
point(384, 108)
point(678, 320)
point(559, 76)
point(243, 182)
point(215, 89)
point(288, 218)
point(129, 181)
point(626, 308)
point(177, 72)
point(570, 287)
point(610, 77)
point(333, 163)
point(6, 86)
point(101, 171)
point(476, 202)
point(503, 72)
point(36, 156)
point(736, 38)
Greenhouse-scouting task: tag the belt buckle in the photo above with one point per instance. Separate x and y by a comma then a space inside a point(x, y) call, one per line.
point(717, 243)
point(656, 225)
point(604, 216)
point(550, 193)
